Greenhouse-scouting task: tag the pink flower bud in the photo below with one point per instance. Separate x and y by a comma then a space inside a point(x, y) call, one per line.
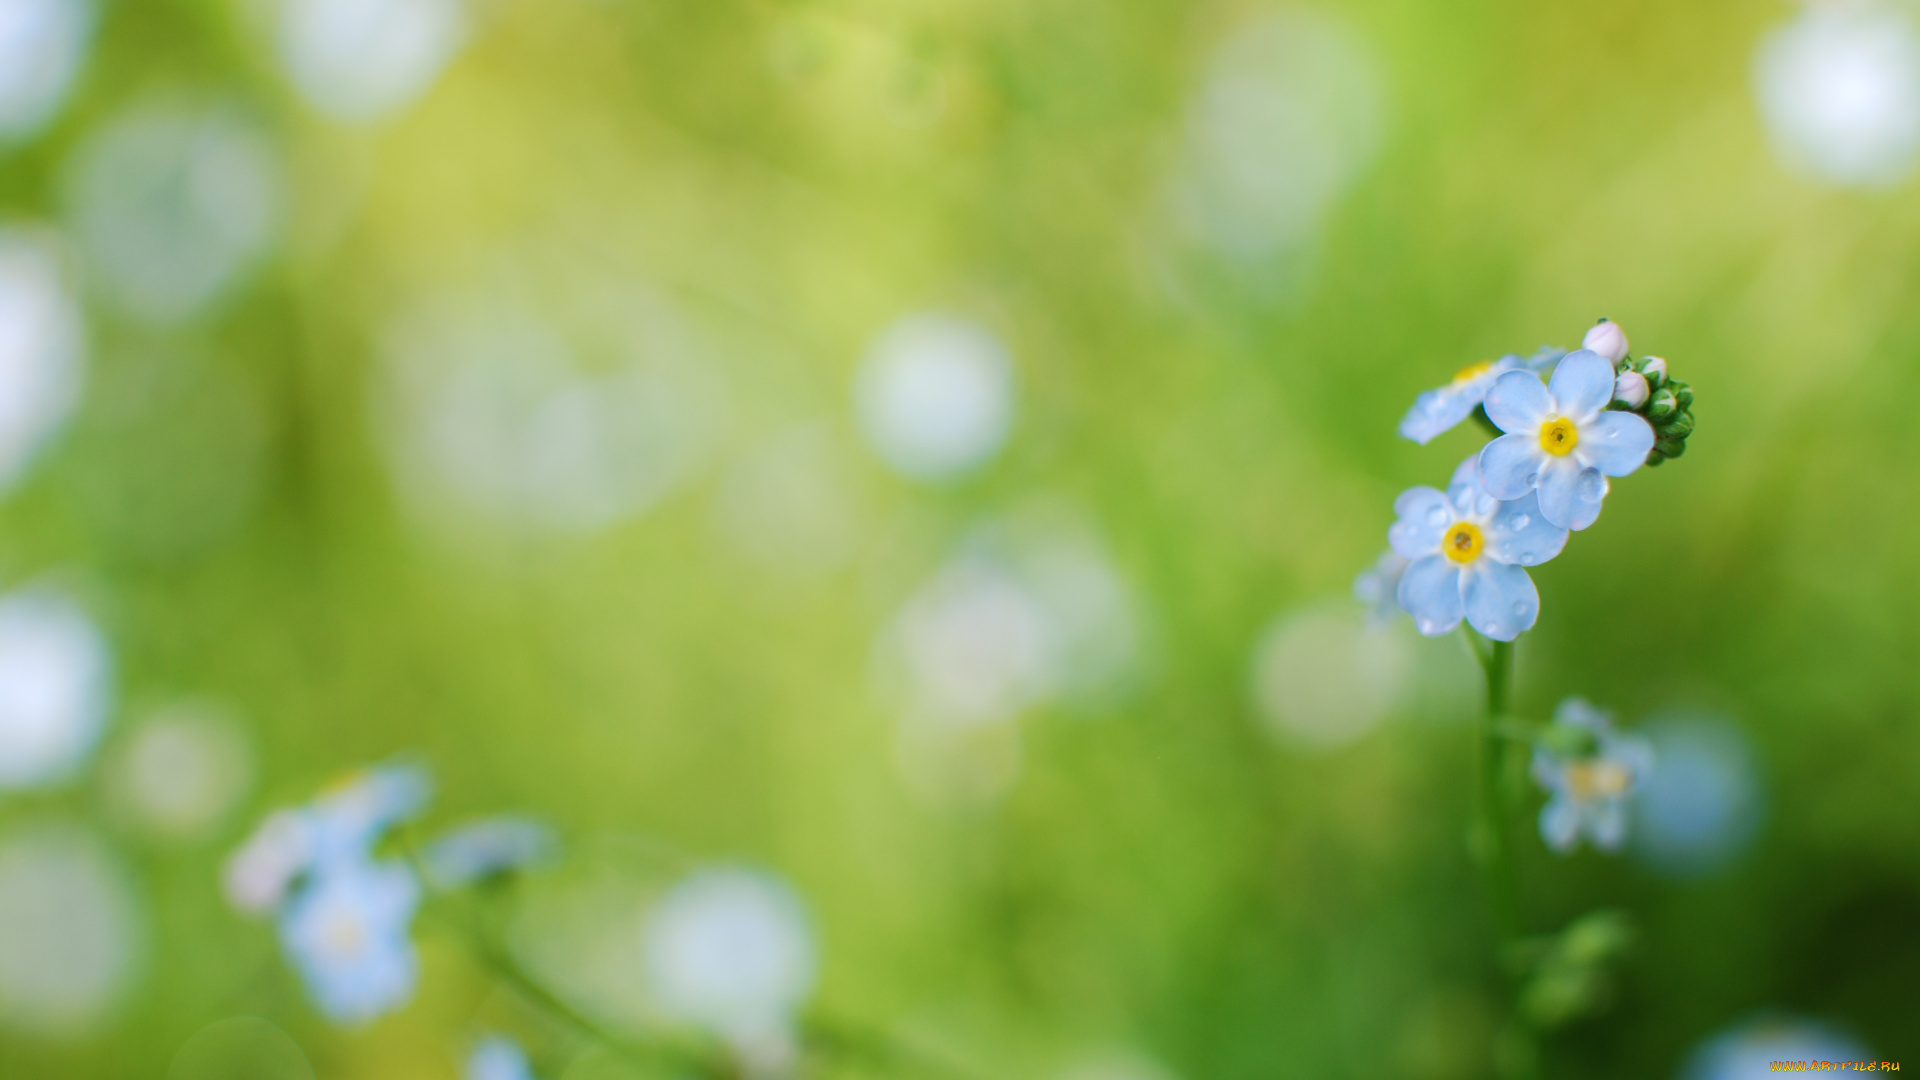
point(1631, 389)
point(1608, 340)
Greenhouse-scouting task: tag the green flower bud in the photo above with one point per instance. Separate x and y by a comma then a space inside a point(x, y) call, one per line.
point(1662, 405)
point(1679, 427)
point(1670, 447)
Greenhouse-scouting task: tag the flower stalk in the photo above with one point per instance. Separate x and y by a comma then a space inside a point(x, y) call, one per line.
point(1491, 845)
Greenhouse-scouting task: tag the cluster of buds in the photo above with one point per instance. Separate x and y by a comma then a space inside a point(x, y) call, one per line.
point(1644, 387)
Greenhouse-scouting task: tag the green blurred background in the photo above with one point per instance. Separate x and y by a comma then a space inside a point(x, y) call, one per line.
point(1212, 339)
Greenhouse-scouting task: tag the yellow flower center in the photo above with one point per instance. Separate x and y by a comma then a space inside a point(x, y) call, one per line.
point(1598, 779)
point(1472, 371)
point(1463, 542)
point(1559, 437)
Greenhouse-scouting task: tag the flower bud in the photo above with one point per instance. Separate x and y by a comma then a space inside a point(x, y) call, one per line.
point(1679, 427)
point(1655, 370)
point(1662, 405)
point(1631, 389)
point(1670, 447)
point(1607, 339)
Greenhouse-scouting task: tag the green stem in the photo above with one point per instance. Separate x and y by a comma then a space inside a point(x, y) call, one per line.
point(1491, 843)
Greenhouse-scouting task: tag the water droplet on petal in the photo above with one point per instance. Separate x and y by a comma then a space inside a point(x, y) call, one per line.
point(1529, 559)
point(1520, 609)
point(1533, 479)
point(1437, 515)
point(1521, 521)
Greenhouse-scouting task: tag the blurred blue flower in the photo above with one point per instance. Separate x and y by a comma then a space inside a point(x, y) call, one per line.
point(347, 933)
point(1588, 791)
point(497, 1057)
point(1749, 1050)
point(487, 849)
point(1465, 551)
point(1441, 409)
point(352, 815)
point(1704, 803)
point(1561, 439)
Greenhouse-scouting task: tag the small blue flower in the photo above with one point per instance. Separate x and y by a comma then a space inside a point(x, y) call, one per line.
point(486, 849)
point(1561, 439)
point(1588, 792)
point(347, 933)
point(352, 815)
point(1439, 410)
point(1378, 588)
point(497, 1057)
point(1465, 551)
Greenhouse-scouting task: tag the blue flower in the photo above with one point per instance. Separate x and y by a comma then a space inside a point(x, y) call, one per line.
point(1465, 551)
point(353, 814)
point(497, 1057)
point(1439, 410)
point(487, 849)
point(347, 933)
point(1561, 439)
point(1753, 1049)
point(342, 825)
point(1588, 792)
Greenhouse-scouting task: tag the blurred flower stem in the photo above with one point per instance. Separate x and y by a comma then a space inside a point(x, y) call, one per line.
point(1516, 1049)
point(1489, 838)
point(471, 925)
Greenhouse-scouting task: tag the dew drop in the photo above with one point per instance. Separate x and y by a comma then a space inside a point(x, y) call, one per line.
point(1529, 559)
point(1521, 521)
point(1520, 609)
point(1437, 515)
point(1533, 479)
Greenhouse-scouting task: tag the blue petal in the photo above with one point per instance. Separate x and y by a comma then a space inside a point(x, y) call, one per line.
point(1560, 824)
point(1510, 466)
point(1430, 592)
point(1615, 442)
point(1582, 385)
point(1520, 533)
point(1570, 495)
point(1581, 713)
point(1424, 517)
point(1465, 490)
point(1501, 601)
point(1607, 823)
point(1519, 402)
point(1544, 358)
point(1437, 412)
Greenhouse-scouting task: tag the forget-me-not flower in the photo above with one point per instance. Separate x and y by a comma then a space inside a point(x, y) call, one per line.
point(497, 1057)
point(347, 933)
point(1561, 439)
point(1441, 409)
point(341, 826)
point(486, 849)
point(1588, 792)
point(1466, 551)
point(352, 815)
